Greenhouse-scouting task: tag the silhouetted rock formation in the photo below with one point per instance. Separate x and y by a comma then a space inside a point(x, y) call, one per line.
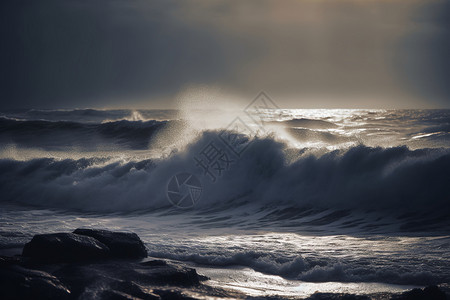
point(92, 264)
point(106, 265)
point(65, 247)
point(20, 283)
point(428, 293)
point(121, 244)
point(84, 245)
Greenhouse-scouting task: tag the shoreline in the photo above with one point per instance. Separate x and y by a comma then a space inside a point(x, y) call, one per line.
point(119, 274)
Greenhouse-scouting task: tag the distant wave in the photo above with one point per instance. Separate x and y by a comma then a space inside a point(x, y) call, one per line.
point(308, 135)
point(268, 174)
point(52, 135)
point(307, 123)
point(87, 115)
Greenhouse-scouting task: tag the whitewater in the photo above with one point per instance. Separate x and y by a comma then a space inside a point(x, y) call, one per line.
point(354, 201)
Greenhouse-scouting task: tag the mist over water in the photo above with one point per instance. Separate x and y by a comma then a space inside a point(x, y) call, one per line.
point(311, 198)
point(121, 160)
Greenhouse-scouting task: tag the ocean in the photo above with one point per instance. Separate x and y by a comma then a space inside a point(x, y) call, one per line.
point(285, 202)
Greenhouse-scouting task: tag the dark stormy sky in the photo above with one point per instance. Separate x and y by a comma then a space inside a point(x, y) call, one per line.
point(147, 54)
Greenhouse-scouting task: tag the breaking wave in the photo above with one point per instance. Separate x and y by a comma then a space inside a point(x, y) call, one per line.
point(268, 174)
point(358, 208)
point(310, 269)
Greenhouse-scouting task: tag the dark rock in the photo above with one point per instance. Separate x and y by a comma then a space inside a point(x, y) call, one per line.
point(105, 279)
point(203, 277)
point(78, 277)
point(126, 277)
point(121, 244)
point(428, 293)
point(134, 289)
point(332, 296)
point(65, 247)
point(152, 275)
point(184, 277)
point(81, 265)
point(154, 263)
point(172, 295)
point(20, 283)
point(9, 261)
point(172, 275)
point(115, 295)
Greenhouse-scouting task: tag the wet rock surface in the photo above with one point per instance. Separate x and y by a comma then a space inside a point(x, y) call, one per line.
point(65, 247)
point(112, 279)
point(427, 293)
point(83, 245)
point(121, 244)
point(17, 282)
point(95, 264)
point(430, 292)
point(100, 264)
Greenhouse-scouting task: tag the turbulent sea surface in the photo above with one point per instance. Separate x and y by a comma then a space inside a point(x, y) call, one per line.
point(354, 201)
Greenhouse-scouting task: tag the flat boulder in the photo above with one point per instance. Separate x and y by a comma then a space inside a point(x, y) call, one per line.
point(65, 247)
point(121, 244)
point(19, 283)
point(429, 293)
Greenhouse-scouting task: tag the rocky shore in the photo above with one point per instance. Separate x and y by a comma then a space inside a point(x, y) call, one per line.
point(101, 264)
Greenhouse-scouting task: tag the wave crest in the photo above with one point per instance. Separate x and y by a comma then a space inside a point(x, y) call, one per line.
point(267, 174)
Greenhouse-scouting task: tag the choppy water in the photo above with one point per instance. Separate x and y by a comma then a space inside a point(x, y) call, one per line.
point(355, 197)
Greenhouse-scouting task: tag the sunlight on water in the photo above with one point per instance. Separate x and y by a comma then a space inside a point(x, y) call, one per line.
point(257, 284)
point(132, 132)
point(291, 215)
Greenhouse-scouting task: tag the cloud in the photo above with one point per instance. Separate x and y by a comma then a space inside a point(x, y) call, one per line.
point(110, 53)
point(423, 59)
point(75, 51)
